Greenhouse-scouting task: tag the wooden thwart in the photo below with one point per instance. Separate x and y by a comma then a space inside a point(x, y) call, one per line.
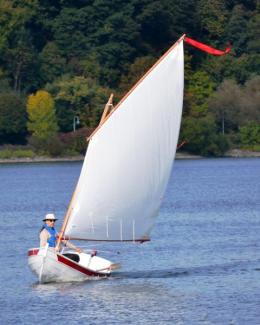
point(108, 108)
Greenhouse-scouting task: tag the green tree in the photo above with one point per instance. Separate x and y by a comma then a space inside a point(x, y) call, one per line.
point(155, 21)
point(199, 90)
point(224, 105)
point(119, 48)
point(212, 17)
point(69, 29)
point(13, 16)
point(201, 136)
point(236, 29)
point(250, 101)
point(250, 134)
point(253, 32)
point(21, 62)
point(12, 118)
point(4, 81)
point(41, 113)
point(135, 72)
point(52, 63)
point(16, 48)
point(78, 96)
point(89, 67)
point(253, 44)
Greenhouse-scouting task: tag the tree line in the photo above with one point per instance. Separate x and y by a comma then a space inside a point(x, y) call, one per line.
point(60, 60)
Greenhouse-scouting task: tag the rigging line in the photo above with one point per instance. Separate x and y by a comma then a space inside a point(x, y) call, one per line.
point(86, 249)
point(133, 230)
point(107, 226)
point(121, 229)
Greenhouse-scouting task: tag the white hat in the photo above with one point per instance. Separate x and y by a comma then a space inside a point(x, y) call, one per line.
point(49, 216)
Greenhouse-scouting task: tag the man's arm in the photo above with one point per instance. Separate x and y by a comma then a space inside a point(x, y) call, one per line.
point(70, 245)
point(44, 236)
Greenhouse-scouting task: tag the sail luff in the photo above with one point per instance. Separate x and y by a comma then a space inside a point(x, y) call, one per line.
point(136, 84)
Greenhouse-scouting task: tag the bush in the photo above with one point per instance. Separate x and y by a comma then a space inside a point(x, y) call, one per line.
point(202, 138)
point(250, 134)
point(65, 144)
point(51, 147)
point(54, 146)
point(76, 142)
point(12, 118)
point(8, 152)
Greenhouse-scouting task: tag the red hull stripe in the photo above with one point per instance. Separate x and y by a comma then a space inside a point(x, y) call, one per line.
point(77, 267)
point(33, 252)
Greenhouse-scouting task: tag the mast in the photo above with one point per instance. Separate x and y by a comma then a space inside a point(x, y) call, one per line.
point(65, 221)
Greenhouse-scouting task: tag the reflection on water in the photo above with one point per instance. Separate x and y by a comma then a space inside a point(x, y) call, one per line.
point(49, 288)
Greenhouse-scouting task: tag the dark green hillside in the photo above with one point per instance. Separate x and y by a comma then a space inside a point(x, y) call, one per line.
point(80, 51)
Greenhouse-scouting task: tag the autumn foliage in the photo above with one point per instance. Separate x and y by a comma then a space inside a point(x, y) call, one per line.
point(41, 114)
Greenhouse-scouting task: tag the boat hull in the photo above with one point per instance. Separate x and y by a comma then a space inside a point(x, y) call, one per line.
point(50, 266)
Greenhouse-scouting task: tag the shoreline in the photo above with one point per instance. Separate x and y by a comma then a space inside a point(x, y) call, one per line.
point(234, 153)
point(41, 159)
point(237, 153)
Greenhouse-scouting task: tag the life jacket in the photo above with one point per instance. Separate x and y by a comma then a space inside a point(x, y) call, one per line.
point(52, 240)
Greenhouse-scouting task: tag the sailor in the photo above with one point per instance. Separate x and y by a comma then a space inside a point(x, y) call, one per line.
point(48, 234)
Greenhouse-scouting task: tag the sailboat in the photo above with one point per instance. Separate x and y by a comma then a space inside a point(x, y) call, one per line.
point(124, 175)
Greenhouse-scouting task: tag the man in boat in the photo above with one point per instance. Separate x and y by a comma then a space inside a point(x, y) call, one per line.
point(48, 234)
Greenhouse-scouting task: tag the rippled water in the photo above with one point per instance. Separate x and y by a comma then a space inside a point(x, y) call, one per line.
point(201, 267)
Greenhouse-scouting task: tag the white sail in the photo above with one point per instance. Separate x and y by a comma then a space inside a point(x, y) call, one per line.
point(129, 158)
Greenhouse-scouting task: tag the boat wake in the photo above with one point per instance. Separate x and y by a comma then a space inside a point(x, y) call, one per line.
point(207, 270)
point(166, 273)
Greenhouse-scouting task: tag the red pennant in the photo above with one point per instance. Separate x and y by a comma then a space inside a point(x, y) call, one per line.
point(206, 48)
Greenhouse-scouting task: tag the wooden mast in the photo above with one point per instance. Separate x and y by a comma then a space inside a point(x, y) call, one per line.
point(66, 219)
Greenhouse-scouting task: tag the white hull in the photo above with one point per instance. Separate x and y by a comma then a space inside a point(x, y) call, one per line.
point(50, 266)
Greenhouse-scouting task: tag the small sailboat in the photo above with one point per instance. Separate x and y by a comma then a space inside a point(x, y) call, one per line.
point(124, 174)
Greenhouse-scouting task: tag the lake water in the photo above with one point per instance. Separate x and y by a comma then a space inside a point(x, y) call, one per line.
point(201, 267)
